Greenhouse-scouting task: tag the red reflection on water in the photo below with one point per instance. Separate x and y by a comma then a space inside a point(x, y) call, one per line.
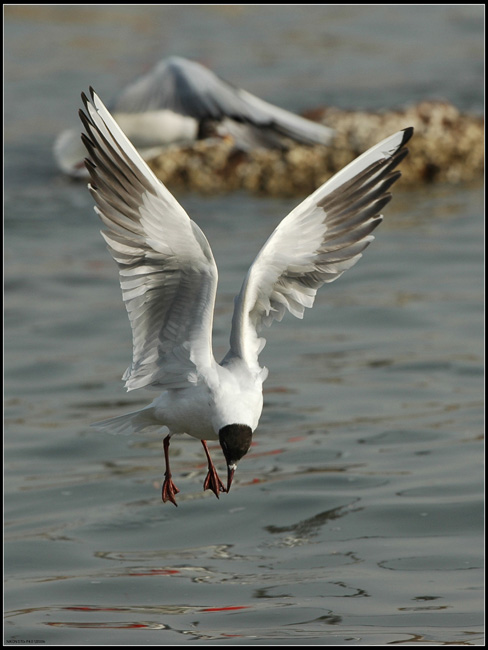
point(93, 609)
point(272, 452)
point(296, 438)
point(103, 626)
point(224, 609)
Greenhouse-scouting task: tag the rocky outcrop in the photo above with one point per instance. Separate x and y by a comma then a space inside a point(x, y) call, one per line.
point(447, 147)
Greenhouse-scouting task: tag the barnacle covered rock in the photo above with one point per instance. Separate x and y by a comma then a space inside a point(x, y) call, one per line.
point(447, 147)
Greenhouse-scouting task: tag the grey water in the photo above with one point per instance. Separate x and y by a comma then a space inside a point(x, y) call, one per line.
point(357, 517)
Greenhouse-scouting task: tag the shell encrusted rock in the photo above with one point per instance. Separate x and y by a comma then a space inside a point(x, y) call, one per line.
point(448, 147)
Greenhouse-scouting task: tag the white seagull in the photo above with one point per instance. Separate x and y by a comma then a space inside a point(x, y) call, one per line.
point(169, 280)
point(180, 101)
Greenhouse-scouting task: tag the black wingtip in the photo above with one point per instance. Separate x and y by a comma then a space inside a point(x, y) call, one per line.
point(83, 117)
point(407, 134)
point(85, 99)
point(400, 155)
point(90, 146)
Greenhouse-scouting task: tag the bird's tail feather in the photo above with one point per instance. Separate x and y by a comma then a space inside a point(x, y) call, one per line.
point(134, 422)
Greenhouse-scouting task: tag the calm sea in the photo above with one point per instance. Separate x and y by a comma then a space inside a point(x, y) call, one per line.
point(357, 518)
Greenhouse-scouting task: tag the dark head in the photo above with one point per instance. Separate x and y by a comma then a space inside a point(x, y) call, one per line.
point(235, 440)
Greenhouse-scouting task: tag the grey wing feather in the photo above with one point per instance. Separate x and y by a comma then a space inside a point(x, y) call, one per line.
point(319, 240)
point(166, 268)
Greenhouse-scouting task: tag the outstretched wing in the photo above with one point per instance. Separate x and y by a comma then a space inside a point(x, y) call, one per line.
point(319, 240)
point(190, 89)
point(166, 268)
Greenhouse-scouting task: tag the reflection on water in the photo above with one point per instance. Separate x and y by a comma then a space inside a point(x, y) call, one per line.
point(303, 531)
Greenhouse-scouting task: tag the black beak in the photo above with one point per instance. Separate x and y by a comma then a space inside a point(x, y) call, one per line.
point(230, 475)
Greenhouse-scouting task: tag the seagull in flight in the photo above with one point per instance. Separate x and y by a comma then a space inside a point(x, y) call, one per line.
point(180, 101)
point(168, 278)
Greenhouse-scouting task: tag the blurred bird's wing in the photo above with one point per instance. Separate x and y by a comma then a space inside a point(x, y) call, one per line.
point(190, 89)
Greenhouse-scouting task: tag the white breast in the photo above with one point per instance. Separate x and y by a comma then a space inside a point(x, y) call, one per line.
point(238, 399)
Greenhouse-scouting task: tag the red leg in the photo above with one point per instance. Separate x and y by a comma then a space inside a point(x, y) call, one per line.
point(212, 482)
point(169, 490)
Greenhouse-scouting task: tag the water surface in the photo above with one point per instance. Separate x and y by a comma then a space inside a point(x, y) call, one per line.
point(357, 516)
